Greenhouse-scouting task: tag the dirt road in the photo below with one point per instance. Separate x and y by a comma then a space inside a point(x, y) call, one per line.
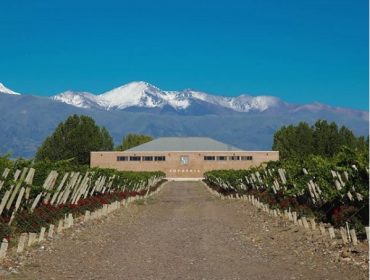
point(185, 233)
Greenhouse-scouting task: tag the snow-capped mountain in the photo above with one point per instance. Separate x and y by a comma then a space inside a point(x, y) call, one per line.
point(77, 99)
point(142, 96)
point(244, 121)
point(135, 94)
point(4, 89)
point(145, 95)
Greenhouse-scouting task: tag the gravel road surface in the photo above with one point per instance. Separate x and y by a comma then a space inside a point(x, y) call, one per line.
point(186, 233)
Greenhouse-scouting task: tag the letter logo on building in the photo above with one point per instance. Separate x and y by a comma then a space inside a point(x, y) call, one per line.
point(184, 160)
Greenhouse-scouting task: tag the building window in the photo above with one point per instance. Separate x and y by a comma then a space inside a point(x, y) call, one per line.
point(135, 158)
point(160, 158)
point(246, 158)
point(222, 158)
point(209, 158)
point(148, 158)
point(234, 158)
point(121, 158)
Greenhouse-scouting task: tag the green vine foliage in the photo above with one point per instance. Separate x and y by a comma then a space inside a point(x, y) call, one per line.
point(348, 204)
point(5, 162)
point(122, 185)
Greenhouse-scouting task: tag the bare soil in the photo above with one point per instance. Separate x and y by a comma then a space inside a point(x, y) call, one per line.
point(186, 233)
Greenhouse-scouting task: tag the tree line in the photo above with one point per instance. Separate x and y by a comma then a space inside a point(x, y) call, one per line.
point(323, 138)
point(77, 136)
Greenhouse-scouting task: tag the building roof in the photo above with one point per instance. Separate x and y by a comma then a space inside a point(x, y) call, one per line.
point(186, 144)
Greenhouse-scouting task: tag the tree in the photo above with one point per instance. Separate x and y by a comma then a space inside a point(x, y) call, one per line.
point(283, 141)
point(303, 140)
point(75, 138)
point(323, 139)
point(106, 140)
point(346, 138)
point(294, 141)
point(132, 140)
point(326, 138)
point(362, 144)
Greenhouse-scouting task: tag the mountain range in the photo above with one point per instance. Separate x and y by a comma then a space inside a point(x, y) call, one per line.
point(244, 121)
point(145, 95)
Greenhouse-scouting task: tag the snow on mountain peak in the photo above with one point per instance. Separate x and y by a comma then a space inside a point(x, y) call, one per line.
point(4, 89)
point(144, 95)
point(140, 94)
point(245, 103)
point(77, 99)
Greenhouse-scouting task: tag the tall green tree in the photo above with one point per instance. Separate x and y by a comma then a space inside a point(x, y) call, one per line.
point(106, 140)
point(132, 140)
point(294, 141)
point(347, 138)
point(326, 138)
point(322, 138)
point(75, 138)
point(362, 144)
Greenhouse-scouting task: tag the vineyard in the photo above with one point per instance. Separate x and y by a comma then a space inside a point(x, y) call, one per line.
point(331, 191)
point(34, 197)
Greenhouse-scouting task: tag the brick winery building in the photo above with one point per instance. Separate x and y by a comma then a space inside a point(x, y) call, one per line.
point(181, 157)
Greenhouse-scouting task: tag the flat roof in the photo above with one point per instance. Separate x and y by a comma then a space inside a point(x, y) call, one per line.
point(185, 144)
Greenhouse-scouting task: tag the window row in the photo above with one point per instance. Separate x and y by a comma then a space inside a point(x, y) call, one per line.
point(230, 158)
point(139, 158)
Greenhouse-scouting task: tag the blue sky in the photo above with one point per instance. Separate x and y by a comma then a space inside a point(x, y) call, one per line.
point(301, 51)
